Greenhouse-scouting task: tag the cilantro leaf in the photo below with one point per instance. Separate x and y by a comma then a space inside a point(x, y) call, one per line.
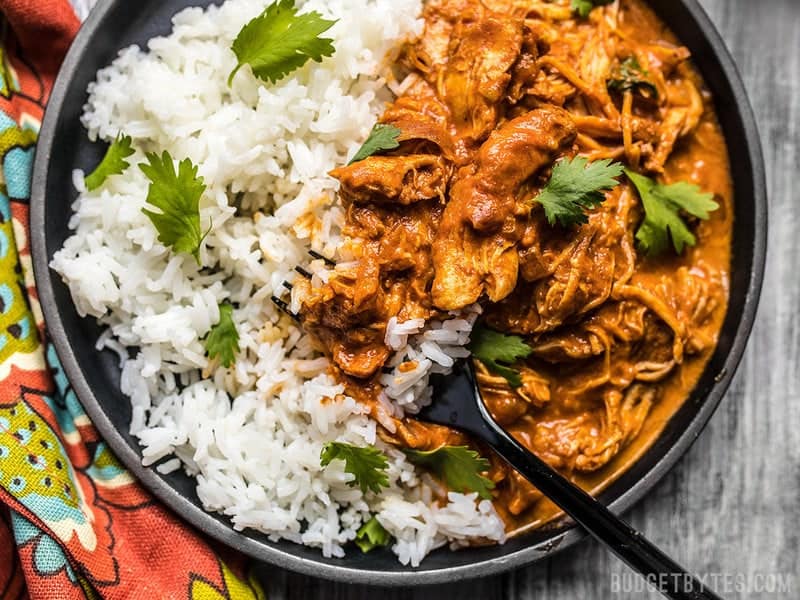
point(630, 75)
point(382, 137)
point(577, 185)
point(113, 162)
point(584, 7)
point(177, 198)
point(372, 535)
point(497, 351)
point(662, 205)
point(279, 41)
point(223, 339)
point(458, 466)
point(367, 464)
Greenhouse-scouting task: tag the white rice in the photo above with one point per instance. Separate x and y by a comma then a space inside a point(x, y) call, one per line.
point(252, 435)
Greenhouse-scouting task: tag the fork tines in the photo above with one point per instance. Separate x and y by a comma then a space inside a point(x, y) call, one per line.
point(318, 256)
point(281, 304)
point(303, 272)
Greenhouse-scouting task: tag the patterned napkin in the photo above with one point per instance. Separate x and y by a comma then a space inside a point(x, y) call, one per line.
point(74, 523)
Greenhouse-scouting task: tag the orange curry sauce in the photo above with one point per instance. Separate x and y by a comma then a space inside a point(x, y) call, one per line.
point(496, 91)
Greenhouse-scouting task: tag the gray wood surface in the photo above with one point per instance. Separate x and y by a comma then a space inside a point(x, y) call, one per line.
point(732, 504)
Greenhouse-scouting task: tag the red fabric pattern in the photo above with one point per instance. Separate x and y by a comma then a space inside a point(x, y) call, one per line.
point(44, 31)
point(73, 523)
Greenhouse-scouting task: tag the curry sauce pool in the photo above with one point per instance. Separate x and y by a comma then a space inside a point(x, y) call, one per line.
point(253, 432)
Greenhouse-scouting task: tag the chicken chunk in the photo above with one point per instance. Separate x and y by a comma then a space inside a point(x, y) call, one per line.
point(394, 179)
point(566, 280)
point(474, 251)
point(587, 441)
point(678, 121)
point(423, 121)
point(477, 73)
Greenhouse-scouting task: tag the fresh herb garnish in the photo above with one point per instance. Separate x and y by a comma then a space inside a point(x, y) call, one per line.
point(279, 41)
point(584, 7)
point(177, 198)
point(575, 186)
point(458, 466)
point(113, 162)
point(223, 339)
point(629, 75)
point(498, 351)
point(372, 535)
point(381, 138)
point(368, 465)
point(662, 206)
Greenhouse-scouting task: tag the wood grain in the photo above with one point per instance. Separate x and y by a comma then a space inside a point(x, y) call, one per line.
point(732, 504)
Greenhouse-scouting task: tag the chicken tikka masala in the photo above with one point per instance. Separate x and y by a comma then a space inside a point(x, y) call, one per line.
point(564, 169)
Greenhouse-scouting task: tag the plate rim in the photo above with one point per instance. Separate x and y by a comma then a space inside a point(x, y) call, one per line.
point(207, 523)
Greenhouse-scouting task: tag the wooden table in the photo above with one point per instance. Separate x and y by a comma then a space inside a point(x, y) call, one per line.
point(732, 504)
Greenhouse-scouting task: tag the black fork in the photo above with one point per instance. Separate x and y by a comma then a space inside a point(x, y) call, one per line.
point(457, 403)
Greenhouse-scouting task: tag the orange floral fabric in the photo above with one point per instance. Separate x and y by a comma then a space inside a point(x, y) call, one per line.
point(74, 523)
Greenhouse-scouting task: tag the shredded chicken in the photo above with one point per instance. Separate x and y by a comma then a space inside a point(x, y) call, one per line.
point(475, 250)
point(394, 179)
point(496, 91)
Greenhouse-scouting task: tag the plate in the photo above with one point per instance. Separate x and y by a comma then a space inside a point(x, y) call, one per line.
point(63, 147)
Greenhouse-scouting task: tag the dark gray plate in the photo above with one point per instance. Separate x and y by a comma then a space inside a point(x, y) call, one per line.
point(63, 146)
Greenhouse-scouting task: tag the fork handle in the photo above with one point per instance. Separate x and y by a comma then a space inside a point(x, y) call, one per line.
point(672, 580)
point(453, 408)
